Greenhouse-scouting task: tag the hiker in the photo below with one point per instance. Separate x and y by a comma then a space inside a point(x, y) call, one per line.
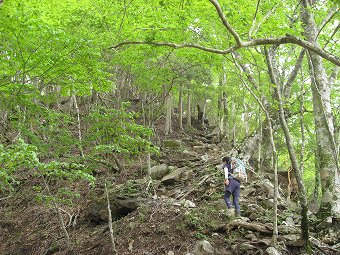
point(232, 185)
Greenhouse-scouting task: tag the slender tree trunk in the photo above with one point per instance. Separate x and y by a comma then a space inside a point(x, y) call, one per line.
point(233, 117)
point(324, 126)
point(204, 112)
point(270, 56)
point(168, 113)
point(56, 209)
point(74, 100)
point(219, 108)
point(298, 177)
point(246, 119)
point(110, 221)
point(189, 110)
point(259, 147)
point(302, 129)
point(274, 158)
point(180, 108)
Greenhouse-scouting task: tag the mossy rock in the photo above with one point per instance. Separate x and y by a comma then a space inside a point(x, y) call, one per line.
point(172, 144)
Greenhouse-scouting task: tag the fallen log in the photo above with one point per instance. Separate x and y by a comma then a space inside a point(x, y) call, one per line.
point(239, 223)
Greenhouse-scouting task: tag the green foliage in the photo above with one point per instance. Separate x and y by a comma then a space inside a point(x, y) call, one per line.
point(12, 158)
point(201, 219)
point(115, 131)
point(24, 156)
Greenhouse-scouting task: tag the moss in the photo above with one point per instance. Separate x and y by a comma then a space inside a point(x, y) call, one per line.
point(172, 144)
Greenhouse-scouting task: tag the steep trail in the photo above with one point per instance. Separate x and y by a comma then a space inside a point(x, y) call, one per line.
point(181, 212)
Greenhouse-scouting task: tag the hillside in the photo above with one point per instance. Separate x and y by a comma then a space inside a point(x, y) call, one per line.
point(181, 211)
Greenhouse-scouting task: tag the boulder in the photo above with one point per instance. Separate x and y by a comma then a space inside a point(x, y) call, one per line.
point(159, 171)
point(203, 248)
point(189, 204)
point(324, 224)
point(120, 207)
point(272, 251)
point(171, 144)
point(251, 237)
point(293, 240)
point(173, 177)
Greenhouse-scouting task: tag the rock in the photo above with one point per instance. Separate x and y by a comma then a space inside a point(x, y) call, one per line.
point(293, 240)
point(246, 247)
point(172, 144)
point(187, 173)
point(219, 167)
point(326, 223)
point(272, 251)
point(189, 204)
point(215, 132)
point(289, 221)
point(285, 229)
point(170, 253)
point(205, 157)
point(253, 216)
point(251, 237)
point(269, 188)
point(159, 171)
point(266, 241)
point(248, 191)
point(268, 203)
point(203, 248)
point(254, 208)
point(120, 207)
point(230, 212)
point(172, 177)
point(200, 148)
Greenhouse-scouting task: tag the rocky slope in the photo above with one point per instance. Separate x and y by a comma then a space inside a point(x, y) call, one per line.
point(181, 211)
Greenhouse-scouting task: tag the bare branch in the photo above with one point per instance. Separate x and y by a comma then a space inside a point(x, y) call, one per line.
point(226, 23)
point(176, 46)
point(256, 28)
point(328, 18)
point(293, 74)
point(254, 19)
point(288, 39)
point(334, 74)
point(331, 37)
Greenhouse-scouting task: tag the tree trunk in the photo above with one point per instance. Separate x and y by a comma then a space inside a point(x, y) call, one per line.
point(168, 112)
point(180, 108)
point(259, 147)
point(324, 126)
point(302, 129)
point(233, 118)
point(189, 110)
point(273, 73)
point(246, 119)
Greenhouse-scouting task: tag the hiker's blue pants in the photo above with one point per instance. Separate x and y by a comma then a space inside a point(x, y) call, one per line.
point(233, 188)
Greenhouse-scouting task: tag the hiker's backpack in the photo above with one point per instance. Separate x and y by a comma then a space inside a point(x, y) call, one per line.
point(239, 170)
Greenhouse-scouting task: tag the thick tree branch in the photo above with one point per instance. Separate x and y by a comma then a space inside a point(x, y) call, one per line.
point(226, 23)
point(288, 39)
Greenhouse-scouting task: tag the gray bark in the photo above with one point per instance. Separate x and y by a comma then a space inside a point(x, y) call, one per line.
point(324, 126)
point(168, 113)
point(289, 143)
point(180, 108)
point(189, 110)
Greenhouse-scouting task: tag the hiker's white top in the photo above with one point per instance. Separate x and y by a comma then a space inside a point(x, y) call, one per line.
point(225, 172)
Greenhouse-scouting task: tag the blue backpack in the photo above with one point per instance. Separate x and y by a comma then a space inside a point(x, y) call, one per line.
point(239, 170)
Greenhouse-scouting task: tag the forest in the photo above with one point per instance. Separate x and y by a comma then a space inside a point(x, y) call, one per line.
point(115, 117)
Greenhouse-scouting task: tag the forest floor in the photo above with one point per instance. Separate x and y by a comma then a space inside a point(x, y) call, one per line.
point(171, 217)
